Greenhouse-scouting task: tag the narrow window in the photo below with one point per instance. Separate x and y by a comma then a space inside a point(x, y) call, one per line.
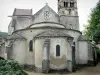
point(31, 45)
point(65, 4)
point(71, 27)
point(69, 11)
point(72, 4)
point(63, 12)
point(57, 50)
point(74, 43)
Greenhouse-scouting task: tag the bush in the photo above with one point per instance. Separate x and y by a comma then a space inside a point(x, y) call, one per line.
point(98, 51)
point(10, 67)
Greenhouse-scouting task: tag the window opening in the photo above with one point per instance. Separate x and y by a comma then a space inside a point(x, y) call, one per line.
point(31, 45)
point(58, 50)
point(72, 4)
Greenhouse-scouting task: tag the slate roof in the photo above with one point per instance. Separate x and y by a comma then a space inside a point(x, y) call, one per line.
point(15, 36)
point(82, 37)
point(22, 12)
point(53, 33)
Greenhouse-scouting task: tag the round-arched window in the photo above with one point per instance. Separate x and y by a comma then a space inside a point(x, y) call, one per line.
point(31, 45)
point(58, 50)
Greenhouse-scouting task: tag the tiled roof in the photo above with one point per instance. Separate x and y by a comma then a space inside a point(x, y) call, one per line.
point(82, 37)
point(53, 33)
point(22, 12)
point(15, 36)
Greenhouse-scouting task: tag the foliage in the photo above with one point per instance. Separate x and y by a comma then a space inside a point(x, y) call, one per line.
point(10, 67)
point(98, 51)
point(92, 31)
point(3, 34)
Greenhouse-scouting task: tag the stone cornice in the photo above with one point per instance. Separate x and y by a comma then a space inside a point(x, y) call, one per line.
point(85, 40)
point(17, 39)
point(35, 38)
point(68, 16)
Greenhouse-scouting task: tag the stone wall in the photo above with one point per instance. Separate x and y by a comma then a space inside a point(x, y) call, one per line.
point(19, 50)
point(29, 34)
point(56, 62)
point(39, 53)
point(98, 45)
point(71, 22)
point(3, 50)
point(83, 52)
point(22, 22)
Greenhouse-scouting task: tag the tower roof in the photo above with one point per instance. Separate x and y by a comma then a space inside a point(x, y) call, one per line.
point(53, 34)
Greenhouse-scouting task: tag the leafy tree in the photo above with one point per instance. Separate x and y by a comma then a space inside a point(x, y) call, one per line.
point(10, 67)
point(92, 30)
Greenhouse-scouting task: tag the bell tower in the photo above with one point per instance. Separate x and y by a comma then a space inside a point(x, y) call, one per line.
point(68, 12)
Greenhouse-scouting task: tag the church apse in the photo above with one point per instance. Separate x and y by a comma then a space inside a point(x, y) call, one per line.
point(58, 53)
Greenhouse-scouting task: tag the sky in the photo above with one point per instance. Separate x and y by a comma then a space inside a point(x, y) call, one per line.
point(7, 7)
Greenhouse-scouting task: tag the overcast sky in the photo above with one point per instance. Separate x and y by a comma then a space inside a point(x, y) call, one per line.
point(7, 8)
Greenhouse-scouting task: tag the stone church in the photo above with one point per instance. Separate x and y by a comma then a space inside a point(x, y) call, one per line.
point(48, 40)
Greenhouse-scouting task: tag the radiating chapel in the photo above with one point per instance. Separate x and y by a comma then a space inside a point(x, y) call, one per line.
point(48, 40)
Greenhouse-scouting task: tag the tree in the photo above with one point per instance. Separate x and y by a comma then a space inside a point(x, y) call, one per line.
point(92, 31)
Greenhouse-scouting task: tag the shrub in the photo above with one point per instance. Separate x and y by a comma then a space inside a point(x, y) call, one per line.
point(11, 67)
point(98, 51)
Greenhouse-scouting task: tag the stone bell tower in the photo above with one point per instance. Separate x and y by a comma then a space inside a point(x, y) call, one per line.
point(67, 9)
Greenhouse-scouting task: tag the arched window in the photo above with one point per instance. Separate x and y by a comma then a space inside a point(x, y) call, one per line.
point(58, 50)
point(65, 4)
point(31, 45)
point(72, 4)
point(71, 27)
point(69, 11)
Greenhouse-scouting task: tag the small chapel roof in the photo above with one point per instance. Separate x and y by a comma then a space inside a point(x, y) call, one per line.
point(82, 38)
point(22, 12)
point(15, 36)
